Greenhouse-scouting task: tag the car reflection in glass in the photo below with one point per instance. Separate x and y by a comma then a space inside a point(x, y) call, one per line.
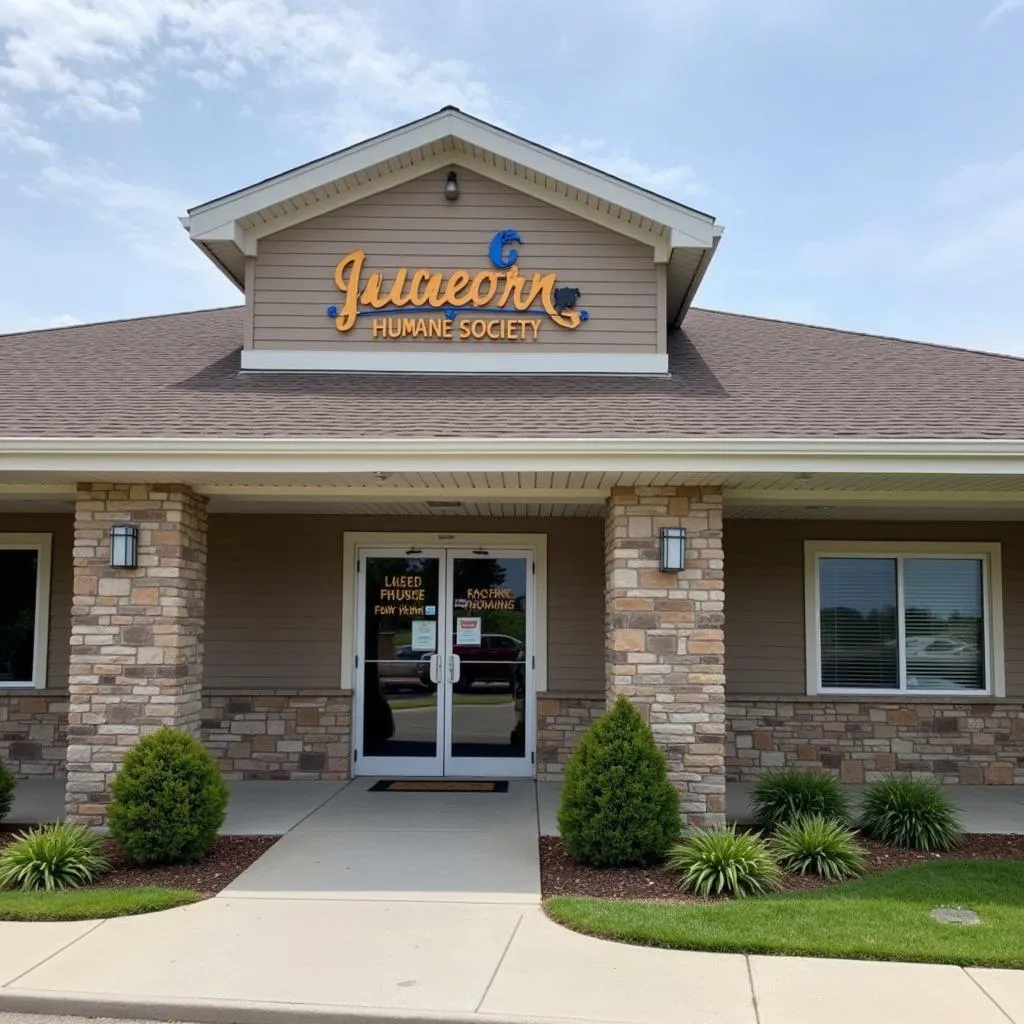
point(498, 659)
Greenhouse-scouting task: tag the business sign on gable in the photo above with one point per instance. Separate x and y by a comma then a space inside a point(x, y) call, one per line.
point(498, 304)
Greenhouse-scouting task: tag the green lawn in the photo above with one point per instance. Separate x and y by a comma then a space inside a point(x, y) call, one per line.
point(83, 904)
point(884, 917)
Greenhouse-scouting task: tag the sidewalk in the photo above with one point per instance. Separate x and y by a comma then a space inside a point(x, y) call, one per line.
point(390, 907)
point(263, 960)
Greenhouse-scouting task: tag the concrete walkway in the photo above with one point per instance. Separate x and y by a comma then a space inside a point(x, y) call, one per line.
point(426, 907)
point(257, 961)
point(272, 808)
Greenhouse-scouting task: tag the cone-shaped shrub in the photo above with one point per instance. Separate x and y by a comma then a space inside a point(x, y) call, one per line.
point(6, 792)
point(618, 805)
point(168, 800)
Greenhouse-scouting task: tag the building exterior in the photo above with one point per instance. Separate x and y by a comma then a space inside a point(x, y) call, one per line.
point(414, 508)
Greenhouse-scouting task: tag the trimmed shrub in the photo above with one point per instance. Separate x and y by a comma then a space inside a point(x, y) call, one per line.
point(724, 862)
point(168, 800)
point(793, 793)
point(818, 846)
point(6, 792)
point(52, 857)
point(911, 813)
point(618, 806)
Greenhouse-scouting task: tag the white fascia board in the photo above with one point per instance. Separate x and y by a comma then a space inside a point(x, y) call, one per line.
point(524, 363)
point(216, 219)
point(144, 458)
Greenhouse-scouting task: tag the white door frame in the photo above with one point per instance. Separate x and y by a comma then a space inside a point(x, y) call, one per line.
point(512, 767)
point(531, 544)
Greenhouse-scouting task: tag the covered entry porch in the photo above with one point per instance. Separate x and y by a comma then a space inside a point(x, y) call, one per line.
point(240, 622)
point(244, 619)
point(260, 807)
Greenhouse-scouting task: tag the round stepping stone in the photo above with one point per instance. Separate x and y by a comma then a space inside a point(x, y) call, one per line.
point(955, 915)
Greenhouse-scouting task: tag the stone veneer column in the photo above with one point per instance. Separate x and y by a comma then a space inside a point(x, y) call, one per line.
point(665, 640)
point(136, 634)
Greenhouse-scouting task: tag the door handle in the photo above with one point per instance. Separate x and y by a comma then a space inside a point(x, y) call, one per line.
point(454, 668)
point(435, 668)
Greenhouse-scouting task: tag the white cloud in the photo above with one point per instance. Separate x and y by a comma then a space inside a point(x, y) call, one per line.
point(14, 321)
point(143, 218)
point(90, 58)
point(16, 133)
point(1002, 8)
point(979, 182)
point(676, 180)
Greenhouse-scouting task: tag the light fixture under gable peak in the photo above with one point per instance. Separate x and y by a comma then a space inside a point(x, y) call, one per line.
point(451, 186)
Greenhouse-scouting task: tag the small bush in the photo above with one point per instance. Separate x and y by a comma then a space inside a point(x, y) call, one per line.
point(52, 857)
point(911, 813)
point(724, 862)
point(817, 846)
point(618, 806)
point(793, 793)
point(6, 792)
point(168, 800)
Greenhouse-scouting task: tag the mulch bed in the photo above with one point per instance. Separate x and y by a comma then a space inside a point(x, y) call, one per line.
point(230, 856)
point(560, 875)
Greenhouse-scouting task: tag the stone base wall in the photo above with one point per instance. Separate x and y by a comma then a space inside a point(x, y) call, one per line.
point(561, 721)
point(966, 743)
point(279, 735)
point(34, 734)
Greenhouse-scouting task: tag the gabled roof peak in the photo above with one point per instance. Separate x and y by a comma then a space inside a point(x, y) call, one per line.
point(229, 228)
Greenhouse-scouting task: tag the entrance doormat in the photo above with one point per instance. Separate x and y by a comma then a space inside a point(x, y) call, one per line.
point(438, 786)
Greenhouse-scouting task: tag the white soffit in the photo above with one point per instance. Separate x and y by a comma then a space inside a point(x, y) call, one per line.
point(228, 228)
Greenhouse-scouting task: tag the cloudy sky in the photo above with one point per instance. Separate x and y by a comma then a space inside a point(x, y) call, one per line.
point(866, 158)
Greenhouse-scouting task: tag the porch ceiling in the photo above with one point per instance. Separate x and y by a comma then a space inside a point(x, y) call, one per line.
point(552, 493)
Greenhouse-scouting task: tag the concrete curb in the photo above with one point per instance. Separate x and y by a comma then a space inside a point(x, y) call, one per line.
point(232, 1011)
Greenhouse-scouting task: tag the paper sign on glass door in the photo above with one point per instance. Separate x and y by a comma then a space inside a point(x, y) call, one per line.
point(467, 631)
point(424, 635)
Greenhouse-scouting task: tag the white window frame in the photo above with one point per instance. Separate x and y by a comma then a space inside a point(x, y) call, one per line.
point(990, 555)
point(43, 544)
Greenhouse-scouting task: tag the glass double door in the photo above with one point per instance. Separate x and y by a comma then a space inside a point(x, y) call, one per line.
point(444, 671)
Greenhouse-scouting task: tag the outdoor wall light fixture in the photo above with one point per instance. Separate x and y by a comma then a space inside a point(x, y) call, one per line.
point(124, 546)
point(673, 548)
point(451, 186)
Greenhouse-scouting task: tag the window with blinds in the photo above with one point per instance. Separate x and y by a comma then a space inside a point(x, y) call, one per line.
point(902, 622)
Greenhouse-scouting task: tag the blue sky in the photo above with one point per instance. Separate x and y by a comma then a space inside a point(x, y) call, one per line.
point(867, 159)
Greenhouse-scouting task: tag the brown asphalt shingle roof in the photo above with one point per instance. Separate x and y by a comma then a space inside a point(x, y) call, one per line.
point(731, 376)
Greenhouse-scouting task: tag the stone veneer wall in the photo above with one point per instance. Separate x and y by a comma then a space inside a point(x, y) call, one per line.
point(33, 734)
point(952, 742)
point(282, 735)
point(561, 721)
point(665, 642)
point(136, 634)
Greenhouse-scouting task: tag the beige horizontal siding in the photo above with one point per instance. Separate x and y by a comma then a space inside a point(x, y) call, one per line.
point(61, 528)
point(274, 596)
point(414, 226)
point(764, 594)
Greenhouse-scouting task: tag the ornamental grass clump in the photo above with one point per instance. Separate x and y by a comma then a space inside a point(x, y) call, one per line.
point(724, 862)
point(618, 806)
point(6, 792)
point(914, 814)
point(816, 845)
point(168, 800)
point(52, 857)
point(793, 793)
